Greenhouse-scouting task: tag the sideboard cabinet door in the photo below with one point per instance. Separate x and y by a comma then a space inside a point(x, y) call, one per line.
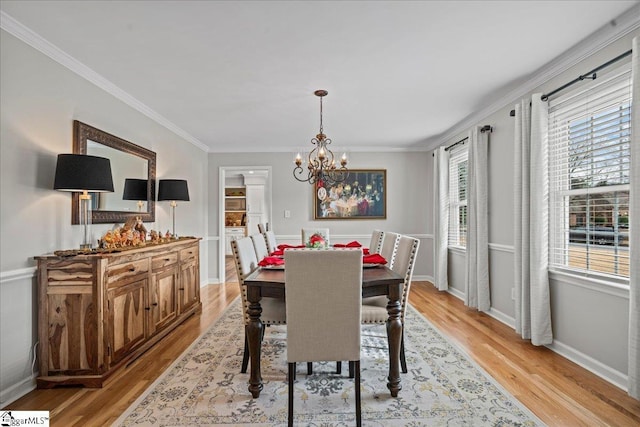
point(128, 308)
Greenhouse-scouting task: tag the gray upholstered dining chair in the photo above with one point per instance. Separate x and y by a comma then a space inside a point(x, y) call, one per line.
point(321, 327)
point(270, 239)
point(374, 309)
point(376, 241)
point(389, 245)
point(273, 309)
point(260, 246)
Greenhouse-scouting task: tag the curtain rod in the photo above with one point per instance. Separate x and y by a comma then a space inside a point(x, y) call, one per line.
point(591, 75)
point(485, 128)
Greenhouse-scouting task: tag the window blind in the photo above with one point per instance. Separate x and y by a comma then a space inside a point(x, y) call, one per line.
point(589, 160)
point(458, 196)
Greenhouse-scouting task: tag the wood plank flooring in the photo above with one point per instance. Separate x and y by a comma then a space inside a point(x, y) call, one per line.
point(558, 391)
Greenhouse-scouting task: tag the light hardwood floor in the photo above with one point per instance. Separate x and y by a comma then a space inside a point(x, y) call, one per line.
point(558, 391)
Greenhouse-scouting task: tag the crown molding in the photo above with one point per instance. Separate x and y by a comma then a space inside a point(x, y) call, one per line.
point(20, 31)
point(609, 33)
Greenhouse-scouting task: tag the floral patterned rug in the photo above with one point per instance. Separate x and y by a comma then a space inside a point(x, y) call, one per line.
point(443, 387)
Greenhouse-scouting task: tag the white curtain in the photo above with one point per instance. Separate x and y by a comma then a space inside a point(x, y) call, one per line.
point(477, 271)
point(634, 217)
point(441, 226)
point(531, 211)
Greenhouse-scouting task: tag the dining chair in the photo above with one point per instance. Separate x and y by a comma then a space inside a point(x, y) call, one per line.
point(321, 327)
point(260, 246)
point(307, 233)
point(376, 241)
point(273, 309)
point(374, 309)
point(389, 245)
point(261, 228)
point(270, 239)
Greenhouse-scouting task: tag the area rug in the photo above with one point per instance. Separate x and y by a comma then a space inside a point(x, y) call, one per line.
point(443, 387)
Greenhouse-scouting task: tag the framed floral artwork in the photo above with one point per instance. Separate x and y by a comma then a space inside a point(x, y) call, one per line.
point(362, 195)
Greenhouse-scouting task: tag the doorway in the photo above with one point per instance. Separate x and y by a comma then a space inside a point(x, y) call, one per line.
point(238, 175)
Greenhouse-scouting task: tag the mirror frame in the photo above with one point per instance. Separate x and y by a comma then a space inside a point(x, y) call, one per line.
point(83, 132)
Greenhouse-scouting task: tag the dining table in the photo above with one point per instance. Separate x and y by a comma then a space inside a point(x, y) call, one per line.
point(377, 281)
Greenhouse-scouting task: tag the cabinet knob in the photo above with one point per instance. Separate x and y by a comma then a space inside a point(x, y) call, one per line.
point(182, 289)
point(147, 308)
point(155, 304)
point(132, 269)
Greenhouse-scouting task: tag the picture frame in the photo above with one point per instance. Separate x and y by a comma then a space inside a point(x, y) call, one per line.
point(362, 195)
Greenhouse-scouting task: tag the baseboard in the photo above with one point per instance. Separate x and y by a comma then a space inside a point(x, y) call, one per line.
point(422, 278)
point(17, 390)
point(501, 317)
point(456, 293)
point(605, 372)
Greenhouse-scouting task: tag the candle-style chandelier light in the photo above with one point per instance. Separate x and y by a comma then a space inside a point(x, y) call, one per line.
point(321, 164)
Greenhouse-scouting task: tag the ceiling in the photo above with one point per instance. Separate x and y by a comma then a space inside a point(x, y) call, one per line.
point(240, 76)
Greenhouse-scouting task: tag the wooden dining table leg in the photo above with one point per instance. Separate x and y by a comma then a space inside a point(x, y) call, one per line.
point(254, 338)
point(394, 335)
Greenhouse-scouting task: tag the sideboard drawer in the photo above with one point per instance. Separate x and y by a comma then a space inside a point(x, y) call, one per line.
point(188, 254)
point(70, 273)
point(161, 261)
point(118, 272)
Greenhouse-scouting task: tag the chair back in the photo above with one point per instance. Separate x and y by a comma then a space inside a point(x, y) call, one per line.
point(270, 238)
point(261, 228)
point(260, 246)
point(376, 241)
point(389, 246)
point(246, 262)
point(405, 259)
point(308, 233)
point(323, 303)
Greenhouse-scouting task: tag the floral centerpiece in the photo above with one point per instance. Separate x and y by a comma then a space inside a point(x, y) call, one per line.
point(317, 240)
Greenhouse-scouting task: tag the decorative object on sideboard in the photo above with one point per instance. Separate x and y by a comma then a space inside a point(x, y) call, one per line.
point(173, 190)
point(82, 173)
point(321, 164)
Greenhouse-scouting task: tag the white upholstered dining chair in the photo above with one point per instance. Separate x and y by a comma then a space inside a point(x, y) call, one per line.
point(273, 309)
point(260, 246)
point(376, 241)
point(374, 309)
point(308, 232)
point(321, 327)
point(389, 245)
point(270, 238)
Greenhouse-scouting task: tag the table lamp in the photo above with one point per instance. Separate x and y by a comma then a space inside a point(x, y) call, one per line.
point(136, 189)
point(82, 173)
point(173, 190)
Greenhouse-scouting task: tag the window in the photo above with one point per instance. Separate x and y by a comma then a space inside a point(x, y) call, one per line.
point(458, 196)
point(589, 164)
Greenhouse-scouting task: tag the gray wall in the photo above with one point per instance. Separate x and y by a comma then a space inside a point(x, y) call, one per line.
point(590, 320)
point(39, 101)
point(408, 195)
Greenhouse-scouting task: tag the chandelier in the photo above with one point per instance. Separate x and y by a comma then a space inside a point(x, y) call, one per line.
point(321, 164)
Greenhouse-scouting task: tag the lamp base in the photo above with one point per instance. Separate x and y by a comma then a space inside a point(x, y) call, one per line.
point(86, 246)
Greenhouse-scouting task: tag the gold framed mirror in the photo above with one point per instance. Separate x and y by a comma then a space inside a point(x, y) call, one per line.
point(128, 161)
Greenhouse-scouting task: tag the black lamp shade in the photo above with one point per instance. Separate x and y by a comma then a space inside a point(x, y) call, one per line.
point(173, 189)
point(136, 189)
point(79, 172)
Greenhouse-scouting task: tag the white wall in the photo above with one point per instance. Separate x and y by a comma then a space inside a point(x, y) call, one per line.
point(39, 99)
point(590, 321)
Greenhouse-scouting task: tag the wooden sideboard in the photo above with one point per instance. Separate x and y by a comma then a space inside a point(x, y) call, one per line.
point(98, 312)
